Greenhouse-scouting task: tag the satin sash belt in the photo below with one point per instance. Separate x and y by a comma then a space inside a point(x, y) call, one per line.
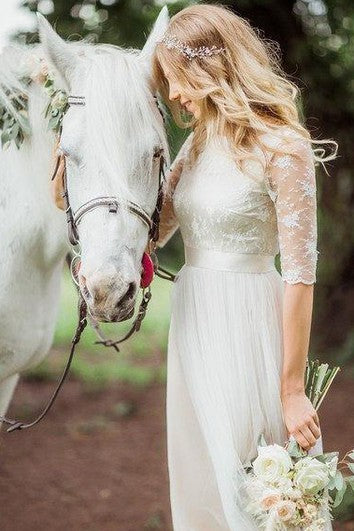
point(226, 261)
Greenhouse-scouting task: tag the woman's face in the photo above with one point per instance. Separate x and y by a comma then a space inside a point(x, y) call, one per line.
point(176, 93)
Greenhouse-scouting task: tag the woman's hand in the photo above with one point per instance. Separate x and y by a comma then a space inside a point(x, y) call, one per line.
point(301, 419)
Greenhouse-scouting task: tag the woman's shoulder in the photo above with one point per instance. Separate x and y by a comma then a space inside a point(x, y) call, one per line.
point(284, 136)
point(279, 135)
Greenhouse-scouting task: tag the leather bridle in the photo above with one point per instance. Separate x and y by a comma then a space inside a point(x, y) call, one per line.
point(113, 204)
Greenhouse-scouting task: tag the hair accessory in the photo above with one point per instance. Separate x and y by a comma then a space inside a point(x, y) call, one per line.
point(171, 41)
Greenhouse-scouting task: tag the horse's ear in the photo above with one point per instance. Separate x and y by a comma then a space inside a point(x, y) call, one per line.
point(157, 32)
point(57, 50)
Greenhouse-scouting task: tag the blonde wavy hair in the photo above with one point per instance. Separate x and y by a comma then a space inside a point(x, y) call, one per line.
point(241, 93)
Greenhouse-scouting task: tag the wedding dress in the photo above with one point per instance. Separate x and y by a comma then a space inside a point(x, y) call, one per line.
point(225, 338)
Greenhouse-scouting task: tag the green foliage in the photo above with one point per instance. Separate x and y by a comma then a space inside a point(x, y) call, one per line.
point(141, 360)
point(14, 125)
point(152, 335)
point(316, 41)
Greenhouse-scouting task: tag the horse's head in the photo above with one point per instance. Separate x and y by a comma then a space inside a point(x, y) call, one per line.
point(113, 146)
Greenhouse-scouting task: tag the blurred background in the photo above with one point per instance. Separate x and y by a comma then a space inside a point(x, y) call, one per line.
point(99, 461)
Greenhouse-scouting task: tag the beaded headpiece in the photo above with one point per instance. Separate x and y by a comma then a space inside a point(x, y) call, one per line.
point(171, 41)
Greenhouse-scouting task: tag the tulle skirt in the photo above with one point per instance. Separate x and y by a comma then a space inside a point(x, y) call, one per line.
point(223, 384)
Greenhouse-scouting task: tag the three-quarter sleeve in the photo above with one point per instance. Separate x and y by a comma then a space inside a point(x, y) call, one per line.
point(168, 220)
point(291, 182)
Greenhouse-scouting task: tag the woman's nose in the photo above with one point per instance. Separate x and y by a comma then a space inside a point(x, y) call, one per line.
point(174, 94)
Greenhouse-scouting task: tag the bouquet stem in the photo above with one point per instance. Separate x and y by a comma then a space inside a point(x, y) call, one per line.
point(318, 380)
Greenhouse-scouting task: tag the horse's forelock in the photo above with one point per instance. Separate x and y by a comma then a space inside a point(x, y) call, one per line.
point(121, 112)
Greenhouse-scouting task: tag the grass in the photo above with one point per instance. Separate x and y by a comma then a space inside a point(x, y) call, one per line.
point(141, 359)
point(152, 334)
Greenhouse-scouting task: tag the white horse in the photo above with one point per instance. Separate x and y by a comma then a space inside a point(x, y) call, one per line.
point(110, 146)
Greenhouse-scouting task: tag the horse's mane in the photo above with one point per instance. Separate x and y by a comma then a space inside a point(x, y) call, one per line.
point(116, 95)
point(12, 74)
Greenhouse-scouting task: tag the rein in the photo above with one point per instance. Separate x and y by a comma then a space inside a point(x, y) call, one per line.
point(73, 219)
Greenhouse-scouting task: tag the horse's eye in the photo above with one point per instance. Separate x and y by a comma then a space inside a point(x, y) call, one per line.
point(158, 152)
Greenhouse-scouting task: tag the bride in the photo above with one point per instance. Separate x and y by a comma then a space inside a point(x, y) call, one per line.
point(241, 189)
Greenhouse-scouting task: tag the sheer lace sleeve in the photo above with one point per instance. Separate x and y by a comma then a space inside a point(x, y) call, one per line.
point(168, 220)
point(291, 183)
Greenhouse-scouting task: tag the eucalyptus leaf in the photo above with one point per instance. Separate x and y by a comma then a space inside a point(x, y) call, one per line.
point(4, 137)
point(53, 122)
point(24, 122)
point(339, 496)
point(331, 484)
point(339, 480)
point(294, 450)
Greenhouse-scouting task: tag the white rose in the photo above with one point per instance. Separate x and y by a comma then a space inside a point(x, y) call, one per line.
point(285, 485)
point(285, 510)
point(311, 476)
point(272, 462)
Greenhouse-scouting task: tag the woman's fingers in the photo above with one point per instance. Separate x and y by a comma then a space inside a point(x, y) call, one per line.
point(308, 434)
point(301, 440)
point(314, 428)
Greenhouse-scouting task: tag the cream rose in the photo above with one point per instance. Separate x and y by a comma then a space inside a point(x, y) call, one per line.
point(272, 463)
point(36, 68)
point(310, 510)
point(285, 510)
point(269, 499)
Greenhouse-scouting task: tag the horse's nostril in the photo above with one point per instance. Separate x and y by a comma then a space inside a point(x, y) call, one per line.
point(131, 290)
point(129, 294)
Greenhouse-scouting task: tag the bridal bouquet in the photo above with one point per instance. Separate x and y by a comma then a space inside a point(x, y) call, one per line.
point(289, 489)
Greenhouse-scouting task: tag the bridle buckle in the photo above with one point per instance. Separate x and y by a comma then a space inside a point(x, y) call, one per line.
point(113, 208)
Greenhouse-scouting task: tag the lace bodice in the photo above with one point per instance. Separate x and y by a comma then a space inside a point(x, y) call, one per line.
point(216, 206)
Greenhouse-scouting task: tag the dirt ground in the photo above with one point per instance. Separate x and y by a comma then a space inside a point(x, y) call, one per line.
point(98, 462)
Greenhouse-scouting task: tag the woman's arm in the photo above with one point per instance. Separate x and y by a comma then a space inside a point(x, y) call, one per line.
point(168, 220)
point(293, 188)
point(300, 417)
